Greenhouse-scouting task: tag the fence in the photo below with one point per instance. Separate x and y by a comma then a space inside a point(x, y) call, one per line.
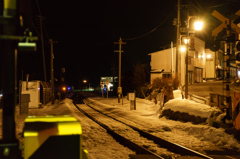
point(198, 99)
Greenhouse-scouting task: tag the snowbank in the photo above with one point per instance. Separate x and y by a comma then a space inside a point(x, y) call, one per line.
point(191, 107)
point(188, 111)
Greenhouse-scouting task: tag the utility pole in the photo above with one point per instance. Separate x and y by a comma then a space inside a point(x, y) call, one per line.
point(186, 60)
point(178, 38)
point(9, 145)
point(52, 71)
point(119, 75)
point(43, 55)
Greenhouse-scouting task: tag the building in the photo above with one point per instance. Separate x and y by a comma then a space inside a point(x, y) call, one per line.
point(214, 64)
point(163, 63)
point(216, 61)
point(110, 81)
point(166, 60)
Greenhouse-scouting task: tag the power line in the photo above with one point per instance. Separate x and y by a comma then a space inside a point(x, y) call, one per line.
point(200, 6)
point(38, 33)
point(45, 31)
point(153, 29)
point(191, 3)
point(38, 7)
point(219, 5)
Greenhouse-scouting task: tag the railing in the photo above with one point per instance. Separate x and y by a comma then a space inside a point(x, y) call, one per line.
point(198, 99)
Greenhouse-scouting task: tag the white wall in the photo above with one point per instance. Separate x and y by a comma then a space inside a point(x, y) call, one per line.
point(34, 91)
point(163, 60)
point(210, 64)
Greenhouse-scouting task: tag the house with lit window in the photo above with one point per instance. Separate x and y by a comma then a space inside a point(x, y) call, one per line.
point(163, 63)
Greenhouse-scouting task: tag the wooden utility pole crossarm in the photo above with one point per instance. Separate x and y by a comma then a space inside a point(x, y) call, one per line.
point(119, 76)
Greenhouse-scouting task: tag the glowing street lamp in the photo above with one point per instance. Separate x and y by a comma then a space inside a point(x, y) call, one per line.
point(198, 25)
point(84, 81)
point(183, 48)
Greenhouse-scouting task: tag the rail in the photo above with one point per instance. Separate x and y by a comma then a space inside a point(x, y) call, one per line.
point(163, 143)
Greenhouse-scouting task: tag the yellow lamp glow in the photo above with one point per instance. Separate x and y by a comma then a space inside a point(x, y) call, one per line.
point(198, 25)
point(208, 56)
point(183, 48)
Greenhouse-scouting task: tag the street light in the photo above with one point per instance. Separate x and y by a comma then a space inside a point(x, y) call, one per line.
point(198, 26)
point(183, 48)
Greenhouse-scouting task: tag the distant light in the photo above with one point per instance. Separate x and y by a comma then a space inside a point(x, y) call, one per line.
point(208, 56)
point(64, 88)
point(84, 81)
point(38, 88)
point(183, 48)
point(69, 88)
point(198, 25)
point(186, 41)
point(0, 95)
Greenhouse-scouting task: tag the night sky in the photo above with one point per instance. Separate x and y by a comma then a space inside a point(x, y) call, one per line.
point(86, 32)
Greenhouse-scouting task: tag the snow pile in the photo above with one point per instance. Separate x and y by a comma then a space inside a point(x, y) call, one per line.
point(177, 94)
point(190, 107)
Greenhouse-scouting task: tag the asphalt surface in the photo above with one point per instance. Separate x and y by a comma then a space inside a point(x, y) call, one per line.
point(205, 88)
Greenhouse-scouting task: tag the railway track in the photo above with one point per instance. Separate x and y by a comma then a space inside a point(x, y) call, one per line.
point(144, 144)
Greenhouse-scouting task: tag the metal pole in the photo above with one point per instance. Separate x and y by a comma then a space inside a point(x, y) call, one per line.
point(43, 55)
point(205, 68)
point(119, 73)
point(52, 72)
point(186, 75)
point(9, 145)
point(178, 37)
point(172, 58)
point(186, 61)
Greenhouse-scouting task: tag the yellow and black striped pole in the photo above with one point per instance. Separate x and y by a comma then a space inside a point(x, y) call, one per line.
point(227, 70)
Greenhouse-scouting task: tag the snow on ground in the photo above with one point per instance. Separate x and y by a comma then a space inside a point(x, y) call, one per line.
point(199, 137)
